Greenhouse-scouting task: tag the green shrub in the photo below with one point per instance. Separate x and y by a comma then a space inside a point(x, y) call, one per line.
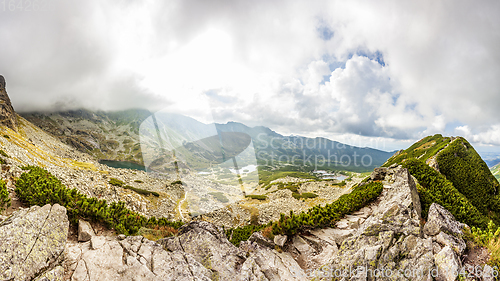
point(39, 187)
point(258, 197)
point(320, 217)
point(6, 136)
point(142, 191)
point(176, 182)
point(470, 175)
point(138, 181)
point(116, 182)
point(219, 196)
point(4, 196)
point(238, 234)
point(435, 188)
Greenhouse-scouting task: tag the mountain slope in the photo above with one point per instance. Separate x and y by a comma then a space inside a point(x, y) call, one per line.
point(105, 135)
point(459, 179)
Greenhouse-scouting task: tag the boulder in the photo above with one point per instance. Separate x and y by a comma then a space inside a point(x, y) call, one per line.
point(258, 238)
point(441, 220)
point(448, 265)
point(85, 231)
point(378, 174)
point(280, 240)
point(209, 246)
point(455, 243)
point(32, 243)
point(264, 263)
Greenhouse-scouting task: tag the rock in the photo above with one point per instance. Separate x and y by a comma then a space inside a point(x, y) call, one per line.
point(260, 239)
point(390, 237)
point(33, 241)
point(85, 231)
point(280, 240)
point(56, 274)
point(134, 258)
point(251, 261)
point(448, 264)
point(333, 235)
point(432, 162)
point(455, 243)
point(302, 246)
point(208, 246)
point(441, 220)
point(121, 237)
point(378, 174)
point(8, 116)
point(266, 264)
point(97, 242)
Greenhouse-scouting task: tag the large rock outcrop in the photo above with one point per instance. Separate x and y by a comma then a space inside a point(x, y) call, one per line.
point(8, 116)
point(384, 240)
point(201, 251)
point(32, 242)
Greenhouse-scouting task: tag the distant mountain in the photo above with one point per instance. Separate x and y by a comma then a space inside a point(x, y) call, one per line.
point(105, 135)
point(118, 136)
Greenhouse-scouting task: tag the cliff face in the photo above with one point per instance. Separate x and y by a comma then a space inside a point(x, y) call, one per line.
point(7, 114)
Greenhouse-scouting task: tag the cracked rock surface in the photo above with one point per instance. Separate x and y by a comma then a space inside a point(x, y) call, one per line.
point(32, 243)
point(200, 252)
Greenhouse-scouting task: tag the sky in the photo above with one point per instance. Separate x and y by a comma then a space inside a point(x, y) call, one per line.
point(381, 74)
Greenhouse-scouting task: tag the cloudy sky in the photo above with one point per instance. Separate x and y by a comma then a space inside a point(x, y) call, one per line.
point(369, 73)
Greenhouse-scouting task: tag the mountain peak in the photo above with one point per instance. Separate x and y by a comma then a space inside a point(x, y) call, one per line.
point(7, 114)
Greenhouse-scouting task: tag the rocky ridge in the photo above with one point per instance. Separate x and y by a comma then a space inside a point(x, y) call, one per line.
point(387, 235)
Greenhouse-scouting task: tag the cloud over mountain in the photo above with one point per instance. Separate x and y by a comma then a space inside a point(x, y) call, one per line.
point(391, 70)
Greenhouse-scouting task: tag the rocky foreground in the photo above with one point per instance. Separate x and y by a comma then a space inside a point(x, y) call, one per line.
point(387, 236)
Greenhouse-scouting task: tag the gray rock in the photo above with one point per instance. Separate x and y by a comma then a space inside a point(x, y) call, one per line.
point(378, 174)
point(448, 264)
point(258, 238)
point(271, 265)
point(333, 235)
point(134, 258)
point(121, 237)
point(441, 220)
point(390, 237)
point(455, 243)
point(33, 242)
point(208, 246)
point(280, 240)
point(85, 231)
point(56, 274)
point(302, 246)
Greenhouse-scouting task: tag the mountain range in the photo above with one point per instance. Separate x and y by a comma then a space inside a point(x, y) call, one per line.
point(117, 136)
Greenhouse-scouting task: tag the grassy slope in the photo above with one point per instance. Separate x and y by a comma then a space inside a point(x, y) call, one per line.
point(466, 176)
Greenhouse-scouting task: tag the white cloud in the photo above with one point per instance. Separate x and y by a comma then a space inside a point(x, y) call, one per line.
point(385, 70)
point(489, 136)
